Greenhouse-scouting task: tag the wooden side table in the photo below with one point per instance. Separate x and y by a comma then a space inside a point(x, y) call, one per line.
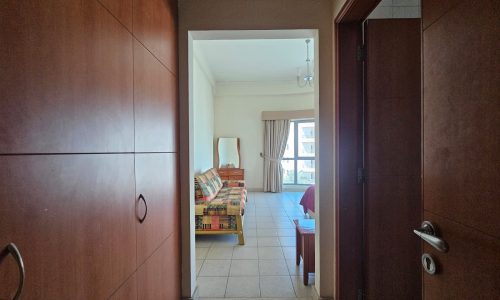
point(304, 246)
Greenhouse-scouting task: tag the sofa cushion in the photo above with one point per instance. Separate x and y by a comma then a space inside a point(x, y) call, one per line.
point(207, 185)
point(229, 201)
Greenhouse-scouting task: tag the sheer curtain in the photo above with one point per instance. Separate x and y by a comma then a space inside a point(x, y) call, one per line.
point(275, 138)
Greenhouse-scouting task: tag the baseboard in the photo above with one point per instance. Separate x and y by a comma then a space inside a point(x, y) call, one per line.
point(255, 189)
point(315, 295)
point(295, 188)
point(195, 295)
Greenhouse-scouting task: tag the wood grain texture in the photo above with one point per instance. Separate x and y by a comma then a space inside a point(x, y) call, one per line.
point(128, 291)
point(393, 210)
point(155, 104)
point(120, 9)
point(72, 218)
point(392, 200)
point(462, 116)
point(155, 26)
point(156, 180)
point(65, 79)
point(350, 158)
point(159, 277)
point(471, 267)
point(433, 10)
point(231, 174)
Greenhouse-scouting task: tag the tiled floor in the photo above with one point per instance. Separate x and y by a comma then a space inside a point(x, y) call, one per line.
point(264, 268)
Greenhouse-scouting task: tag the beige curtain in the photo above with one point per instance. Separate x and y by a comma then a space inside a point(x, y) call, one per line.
point(275, 138)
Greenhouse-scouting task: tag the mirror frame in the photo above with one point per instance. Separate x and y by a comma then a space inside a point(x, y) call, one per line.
point(237, 148)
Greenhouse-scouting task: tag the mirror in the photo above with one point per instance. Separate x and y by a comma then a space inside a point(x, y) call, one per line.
point(228, 151)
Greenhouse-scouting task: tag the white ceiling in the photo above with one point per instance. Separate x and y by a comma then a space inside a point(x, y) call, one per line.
point(253, 59)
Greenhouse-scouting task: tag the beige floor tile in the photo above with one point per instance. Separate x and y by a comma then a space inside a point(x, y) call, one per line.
point(245, 252)
point(212, 286)
point(273, 267)
point(224, 240)
point(201, 253)
point(244, 267)
point(250, 241)
point(289, 252)
point(268, 241)
point(302, 290)
point(199, 263)
point(249, 232)
point(276, 286)
point(287, 241)
point(215, 268)
point(243, 287)
point(285, 225)
point(203, 241)
point(270, 253)
point(286, 232)
point(267, 232)
point(293, 268)
point(220, 253)
point(264, 219)
point(266, 225)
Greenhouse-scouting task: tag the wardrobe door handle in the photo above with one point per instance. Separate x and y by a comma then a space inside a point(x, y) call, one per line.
point(12, 249)
point(141, 197)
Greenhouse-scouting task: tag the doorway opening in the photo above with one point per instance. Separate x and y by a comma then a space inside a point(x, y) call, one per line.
point(239, 83)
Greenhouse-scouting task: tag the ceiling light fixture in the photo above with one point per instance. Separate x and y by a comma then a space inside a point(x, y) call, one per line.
point(306, 80)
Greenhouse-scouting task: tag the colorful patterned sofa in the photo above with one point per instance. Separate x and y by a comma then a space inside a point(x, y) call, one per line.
point(219, 205)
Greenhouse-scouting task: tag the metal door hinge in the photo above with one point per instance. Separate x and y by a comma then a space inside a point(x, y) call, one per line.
point(361, 53)
point(361, 175)
point(361, 294)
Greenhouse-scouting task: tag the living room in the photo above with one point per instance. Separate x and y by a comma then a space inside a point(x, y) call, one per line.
point(241, 88)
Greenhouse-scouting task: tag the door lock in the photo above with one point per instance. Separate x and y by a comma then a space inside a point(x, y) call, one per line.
point(429, 264)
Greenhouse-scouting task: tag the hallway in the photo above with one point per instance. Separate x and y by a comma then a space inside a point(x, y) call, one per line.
point(265, 266)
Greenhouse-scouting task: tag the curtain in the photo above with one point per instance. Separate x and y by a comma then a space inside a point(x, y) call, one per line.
point(275, 139)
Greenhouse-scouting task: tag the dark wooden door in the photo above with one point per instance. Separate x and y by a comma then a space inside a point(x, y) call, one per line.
point(72, 218)
point(392, 198)
point(156, 181)
point(461, 146)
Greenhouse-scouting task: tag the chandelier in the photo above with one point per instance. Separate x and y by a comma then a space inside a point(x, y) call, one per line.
point(307, 79)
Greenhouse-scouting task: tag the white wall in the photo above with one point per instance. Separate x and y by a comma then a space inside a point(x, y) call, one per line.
point(238, 109)
point(396, 9)
point(203, 116)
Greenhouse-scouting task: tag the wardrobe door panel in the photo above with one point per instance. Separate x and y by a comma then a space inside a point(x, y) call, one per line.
point(156, 181)
point(72, 218)
point(121, 10)
point(128, 290)
point(155, 104)
point(159, 277)
point(155, 27)
point(65, 78)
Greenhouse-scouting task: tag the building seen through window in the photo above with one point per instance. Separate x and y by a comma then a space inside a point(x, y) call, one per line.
point(299, 158)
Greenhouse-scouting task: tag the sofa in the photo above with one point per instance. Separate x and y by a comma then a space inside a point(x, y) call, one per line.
point(219, 205)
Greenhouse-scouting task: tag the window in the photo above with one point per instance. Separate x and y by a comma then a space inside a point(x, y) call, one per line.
point(299, 159)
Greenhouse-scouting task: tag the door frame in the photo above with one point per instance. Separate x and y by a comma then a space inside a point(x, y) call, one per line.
point(349, 147)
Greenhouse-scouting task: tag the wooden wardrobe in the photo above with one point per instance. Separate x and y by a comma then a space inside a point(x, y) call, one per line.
point(88, 149)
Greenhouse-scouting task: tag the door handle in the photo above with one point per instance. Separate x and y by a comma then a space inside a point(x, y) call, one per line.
point(141, 219)
point(12, 249)
point(427, 232)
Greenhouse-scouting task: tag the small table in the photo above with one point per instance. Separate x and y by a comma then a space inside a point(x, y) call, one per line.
point(304, 247)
